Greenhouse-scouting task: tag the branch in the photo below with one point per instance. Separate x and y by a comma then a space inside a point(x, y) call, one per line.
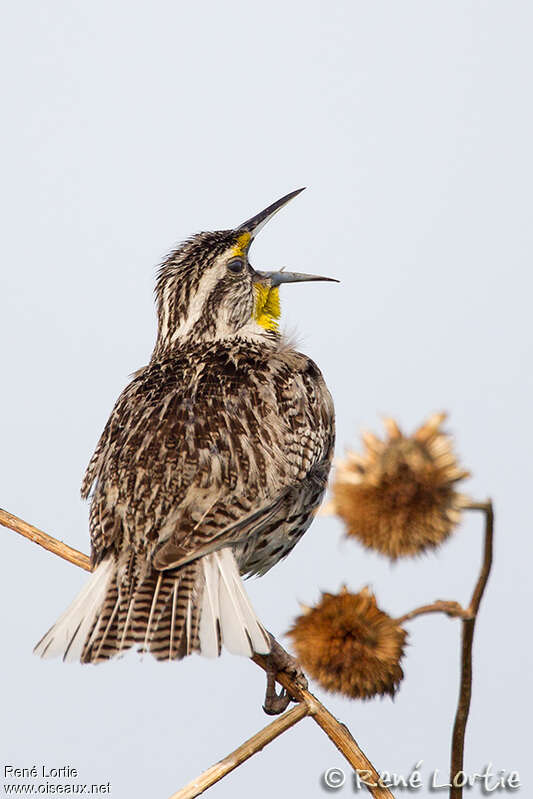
point(337, 732)
point(44, 540)
point(465, 691)
point(308, 704)
point(243, 752)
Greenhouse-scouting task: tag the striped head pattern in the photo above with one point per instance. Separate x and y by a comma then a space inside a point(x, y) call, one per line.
point(207, 290)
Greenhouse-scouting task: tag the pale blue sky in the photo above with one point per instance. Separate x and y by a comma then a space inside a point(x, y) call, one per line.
point(129, 126)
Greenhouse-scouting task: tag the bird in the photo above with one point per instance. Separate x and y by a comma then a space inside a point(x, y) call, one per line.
point(210, 468)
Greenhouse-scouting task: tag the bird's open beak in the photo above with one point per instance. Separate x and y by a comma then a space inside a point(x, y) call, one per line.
point(257, 223)
point(277, 278)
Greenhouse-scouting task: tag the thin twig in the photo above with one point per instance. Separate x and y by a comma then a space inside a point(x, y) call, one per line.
point(308, 704)
point(468, 625)
point(44, 540)
point(449, 607)
point(243, 752)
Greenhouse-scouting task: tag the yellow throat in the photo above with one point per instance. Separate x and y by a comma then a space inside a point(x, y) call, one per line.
point(267, 309)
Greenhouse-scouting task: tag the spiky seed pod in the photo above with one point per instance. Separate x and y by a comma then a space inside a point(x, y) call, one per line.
point(350, 646)
point(399, 497)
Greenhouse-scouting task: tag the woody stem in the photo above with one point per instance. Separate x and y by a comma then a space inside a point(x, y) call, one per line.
point(467, 638)
point(449, 607)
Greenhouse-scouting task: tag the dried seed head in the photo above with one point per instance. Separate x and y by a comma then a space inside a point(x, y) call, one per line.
point(399, 497)
point(350, 646)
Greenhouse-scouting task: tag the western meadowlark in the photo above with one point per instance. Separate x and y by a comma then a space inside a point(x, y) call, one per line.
point(211, 465)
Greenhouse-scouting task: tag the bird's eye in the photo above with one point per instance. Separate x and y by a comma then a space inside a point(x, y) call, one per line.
point(236, 265)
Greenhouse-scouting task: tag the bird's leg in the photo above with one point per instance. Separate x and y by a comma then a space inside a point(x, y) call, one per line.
point(280, 660)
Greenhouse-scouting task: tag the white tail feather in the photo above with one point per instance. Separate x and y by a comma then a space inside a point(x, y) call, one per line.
point(68, 635)
point(210, 613)
point(226, 610)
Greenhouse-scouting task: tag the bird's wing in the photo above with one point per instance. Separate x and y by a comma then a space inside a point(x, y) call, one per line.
point(268, 515)
point(186, 462)
point(171, 554)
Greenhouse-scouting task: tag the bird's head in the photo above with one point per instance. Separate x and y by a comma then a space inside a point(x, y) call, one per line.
point(207, 289)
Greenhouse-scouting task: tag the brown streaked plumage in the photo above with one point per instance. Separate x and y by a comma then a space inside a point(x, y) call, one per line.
point(211, 465)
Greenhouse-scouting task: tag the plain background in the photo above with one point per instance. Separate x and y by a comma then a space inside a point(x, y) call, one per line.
point(128, 126)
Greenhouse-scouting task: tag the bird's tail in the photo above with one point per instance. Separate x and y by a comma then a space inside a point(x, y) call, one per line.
point(195, 608)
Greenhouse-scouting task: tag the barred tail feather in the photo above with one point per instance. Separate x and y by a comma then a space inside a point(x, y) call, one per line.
point(195, 608)
point(148, 610)
point(227, 616)
point(67, 637)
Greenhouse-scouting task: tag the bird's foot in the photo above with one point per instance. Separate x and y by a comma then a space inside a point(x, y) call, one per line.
point(275, 703)
point(280, 660)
